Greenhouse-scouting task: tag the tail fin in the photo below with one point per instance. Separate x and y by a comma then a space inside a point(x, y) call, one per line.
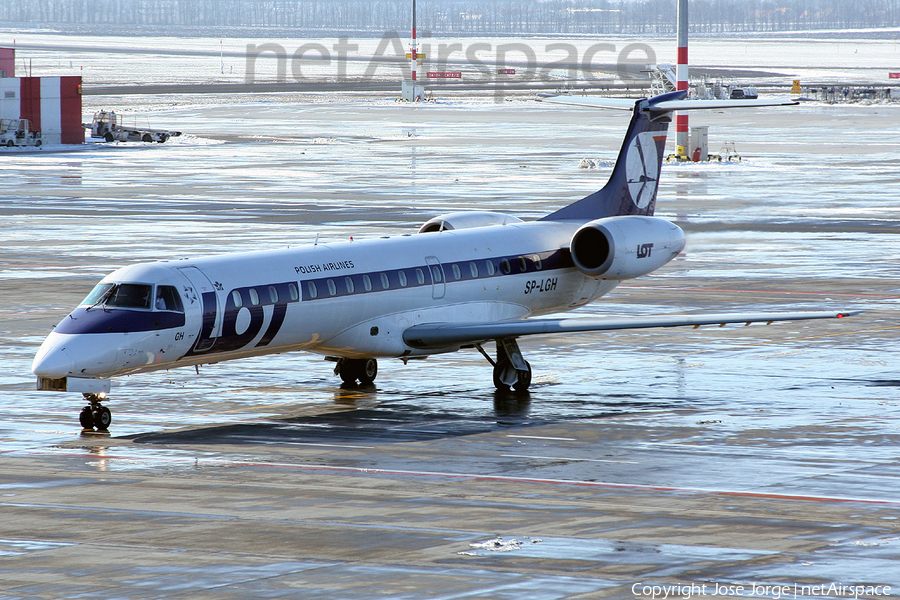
point(631, 189)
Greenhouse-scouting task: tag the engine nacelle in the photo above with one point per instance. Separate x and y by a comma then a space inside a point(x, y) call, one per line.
point(466, 220)
point(625, 247)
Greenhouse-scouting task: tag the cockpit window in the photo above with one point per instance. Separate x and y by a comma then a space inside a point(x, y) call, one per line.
point(97, 294)
point(121, 295)
point(130, 295)
point(167, 298)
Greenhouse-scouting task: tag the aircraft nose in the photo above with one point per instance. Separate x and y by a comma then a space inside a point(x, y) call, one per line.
point(52, 362)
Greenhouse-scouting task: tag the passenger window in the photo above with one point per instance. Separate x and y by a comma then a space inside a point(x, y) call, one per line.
point(254, 297)
point(403, 280)
point(490, 267)
point(332, 289)
point(236, 298)
point(436, 274)
point(523, 264)
point(537, 262)
point(385, 282)
point(311, 288)
point(273, 294)
point(420, 276)
point(167, 298)
point(505, 266)
point(349, 283)
point(473, 268)
point(367, 283)
point(456, 272)
point(295, 293)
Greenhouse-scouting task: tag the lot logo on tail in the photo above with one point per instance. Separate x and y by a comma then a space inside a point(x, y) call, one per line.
point(642, 168)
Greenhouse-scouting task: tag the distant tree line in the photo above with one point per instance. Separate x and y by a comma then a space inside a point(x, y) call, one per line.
point(462, 17)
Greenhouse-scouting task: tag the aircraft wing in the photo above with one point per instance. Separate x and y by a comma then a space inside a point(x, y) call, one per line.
point(440, 335)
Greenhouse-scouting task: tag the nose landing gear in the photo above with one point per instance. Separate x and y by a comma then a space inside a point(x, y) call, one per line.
point(95, 414)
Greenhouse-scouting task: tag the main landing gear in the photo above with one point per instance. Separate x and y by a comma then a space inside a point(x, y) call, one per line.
point(510, 368)
point(95, 414)
point(352, 370)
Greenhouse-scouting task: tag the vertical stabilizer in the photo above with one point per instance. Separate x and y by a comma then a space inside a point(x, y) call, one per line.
point(631, 189)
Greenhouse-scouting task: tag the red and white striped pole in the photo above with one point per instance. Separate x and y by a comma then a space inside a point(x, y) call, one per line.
point(682, 132)
point(412, 52)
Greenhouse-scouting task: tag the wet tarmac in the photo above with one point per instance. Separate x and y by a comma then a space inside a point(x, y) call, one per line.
point(733, 456)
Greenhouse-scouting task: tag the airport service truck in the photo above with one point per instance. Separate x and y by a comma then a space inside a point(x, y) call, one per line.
point(109, 126)
point(17, 132)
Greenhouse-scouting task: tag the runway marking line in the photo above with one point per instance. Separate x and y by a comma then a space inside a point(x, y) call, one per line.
point(344, 446)
point(574, 482)
point(603, 460)
point(782, 292)
point(539, 437)
point(492, 478)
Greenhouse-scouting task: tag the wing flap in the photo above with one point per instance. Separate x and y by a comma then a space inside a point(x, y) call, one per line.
point(439, 335)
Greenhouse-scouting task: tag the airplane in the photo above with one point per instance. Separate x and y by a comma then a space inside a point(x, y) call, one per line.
point(463, 280)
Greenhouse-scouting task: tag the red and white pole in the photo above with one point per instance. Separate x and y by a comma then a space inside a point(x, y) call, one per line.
point(682, 131)
point(412, 53)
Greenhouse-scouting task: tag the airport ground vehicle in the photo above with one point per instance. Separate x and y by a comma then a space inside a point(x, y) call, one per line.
point(109, 126)
point(17, 132)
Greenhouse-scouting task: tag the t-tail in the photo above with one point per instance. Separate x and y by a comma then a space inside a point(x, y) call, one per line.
point(632, 187)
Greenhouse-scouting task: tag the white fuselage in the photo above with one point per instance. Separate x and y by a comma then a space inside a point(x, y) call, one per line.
point(348, 299)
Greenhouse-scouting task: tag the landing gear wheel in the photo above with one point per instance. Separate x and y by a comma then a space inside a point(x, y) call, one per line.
point(499, 368)
point(511, 370)
point(524, 380)
point(95, 414)
point(102, 418)
point(362, 369)
point(347, 373)
point(87, 417)
point(367, 369)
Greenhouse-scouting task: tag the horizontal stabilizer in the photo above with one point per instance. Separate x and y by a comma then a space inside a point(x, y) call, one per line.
point(716, 104)
point(439, 335)
point(592, 101)
point(663, 105)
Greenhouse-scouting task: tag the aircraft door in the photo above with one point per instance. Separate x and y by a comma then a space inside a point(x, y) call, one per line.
point(438, 286)
point(201, 295)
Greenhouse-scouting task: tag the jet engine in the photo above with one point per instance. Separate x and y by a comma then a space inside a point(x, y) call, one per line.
point(467, 220)
point(625, 247)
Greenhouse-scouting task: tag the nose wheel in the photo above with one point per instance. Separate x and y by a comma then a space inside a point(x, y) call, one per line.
point(95, 414)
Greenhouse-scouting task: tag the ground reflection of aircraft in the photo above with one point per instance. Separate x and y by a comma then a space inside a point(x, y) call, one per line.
point(464, 280)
